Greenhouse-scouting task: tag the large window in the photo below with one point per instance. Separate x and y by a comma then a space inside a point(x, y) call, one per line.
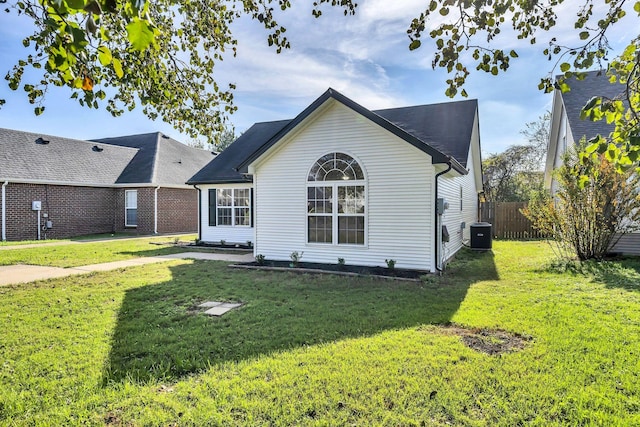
point(131, 208)
point(230, 207)
point(336, 201)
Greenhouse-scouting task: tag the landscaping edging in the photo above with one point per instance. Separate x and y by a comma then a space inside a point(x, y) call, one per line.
point(319, 271)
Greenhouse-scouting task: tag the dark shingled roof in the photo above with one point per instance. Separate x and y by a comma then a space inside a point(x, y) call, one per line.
point(442, 130)
point(222, 168)
point(62, 160)
point(446, 127)
point(160, 160)
point(596, 83)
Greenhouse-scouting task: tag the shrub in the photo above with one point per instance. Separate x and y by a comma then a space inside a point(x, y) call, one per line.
point(391, 263)
point(260, 259)
point(295, 258)
point(340, 263)
point(594, 206)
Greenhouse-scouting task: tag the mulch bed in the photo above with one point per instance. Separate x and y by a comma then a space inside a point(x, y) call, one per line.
point(338, 269)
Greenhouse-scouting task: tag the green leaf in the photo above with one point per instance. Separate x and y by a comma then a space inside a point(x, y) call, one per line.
point(584, 35)
point(38, 110)
point(415, 44)
point(140, 34)
point(636, 7)
point(582, 181)
point(75, 4)
point(117, 67)
point(104, 55)
point(564, 67)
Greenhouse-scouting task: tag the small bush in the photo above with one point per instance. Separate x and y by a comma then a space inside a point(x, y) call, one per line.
point(391, 263)
point(295, 258)
point(222, 242)
point(260, 259)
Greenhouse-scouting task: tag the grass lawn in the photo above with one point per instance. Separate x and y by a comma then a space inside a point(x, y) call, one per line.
point(74, 254)
point(128, 348)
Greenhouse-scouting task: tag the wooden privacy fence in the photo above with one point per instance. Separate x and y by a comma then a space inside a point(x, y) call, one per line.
point(507, 220)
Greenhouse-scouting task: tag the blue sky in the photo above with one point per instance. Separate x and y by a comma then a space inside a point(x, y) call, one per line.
point(365, 57)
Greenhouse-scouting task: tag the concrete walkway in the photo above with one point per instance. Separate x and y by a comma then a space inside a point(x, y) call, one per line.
point(22, 273)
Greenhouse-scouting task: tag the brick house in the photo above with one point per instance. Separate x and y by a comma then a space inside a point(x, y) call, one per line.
point(55, 187)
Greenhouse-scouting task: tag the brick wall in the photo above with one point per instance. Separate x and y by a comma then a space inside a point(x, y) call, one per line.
point(74, 211)
point(145, 210)
point(177, 210)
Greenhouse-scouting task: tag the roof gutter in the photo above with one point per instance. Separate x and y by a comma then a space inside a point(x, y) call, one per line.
point(91, 184)
point(436, 217)
point(4, 212)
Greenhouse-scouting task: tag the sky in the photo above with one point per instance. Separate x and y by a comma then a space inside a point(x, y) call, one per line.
point(365, 57)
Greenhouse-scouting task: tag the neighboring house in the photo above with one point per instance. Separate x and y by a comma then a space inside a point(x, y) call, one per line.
point(567, 129)
point(133, 183)
point(341, 181)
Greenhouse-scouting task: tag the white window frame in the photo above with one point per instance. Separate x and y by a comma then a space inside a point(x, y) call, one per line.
point(335, 215)
point(128, 208)
point(233, 207)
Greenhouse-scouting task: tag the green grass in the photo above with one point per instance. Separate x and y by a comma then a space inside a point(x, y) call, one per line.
point(77, 254)
point(128, 348)
point(87, 237)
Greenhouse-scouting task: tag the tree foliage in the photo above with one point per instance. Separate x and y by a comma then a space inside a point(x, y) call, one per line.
point(513, 175)
point(586, 217)
point(162, 54)
point(158, 54)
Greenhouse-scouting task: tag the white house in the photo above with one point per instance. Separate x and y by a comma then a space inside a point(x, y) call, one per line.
point(341, 181)
point(567, 129)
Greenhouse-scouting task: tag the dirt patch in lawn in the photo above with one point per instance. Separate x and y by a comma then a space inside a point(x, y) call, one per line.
point(488, 341)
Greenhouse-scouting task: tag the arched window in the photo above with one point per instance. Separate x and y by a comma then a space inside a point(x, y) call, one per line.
point(336, 201)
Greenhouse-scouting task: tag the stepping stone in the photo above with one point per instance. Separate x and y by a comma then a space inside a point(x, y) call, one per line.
point(210, 304)
point(217, 308)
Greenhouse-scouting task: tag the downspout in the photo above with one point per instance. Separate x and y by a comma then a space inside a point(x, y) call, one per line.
point(155, 211)
point(437, 223)
point(199, 212)
point(4, 211)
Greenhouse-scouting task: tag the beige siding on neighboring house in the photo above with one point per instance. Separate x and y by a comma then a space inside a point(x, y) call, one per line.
point(238, 234)
point(629, 244)
point(399, 181)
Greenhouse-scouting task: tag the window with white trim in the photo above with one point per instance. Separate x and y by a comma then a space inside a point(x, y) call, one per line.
point(131, 208)
point(336, 201)
point(233, 207)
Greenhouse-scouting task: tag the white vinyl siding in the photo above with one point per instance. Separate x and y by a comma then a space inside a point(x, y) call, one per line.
point(462, 194)
point(131, 208)
point(399, 196)
point(230, 234)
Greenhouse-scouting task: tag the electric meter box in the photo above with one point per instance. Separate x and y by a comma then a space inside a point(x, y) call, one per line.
point(36, 205)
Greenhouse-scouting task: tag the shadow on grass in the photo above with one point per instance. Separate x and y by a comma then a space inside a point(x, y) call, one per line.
point(161, 334)
point(622, 272)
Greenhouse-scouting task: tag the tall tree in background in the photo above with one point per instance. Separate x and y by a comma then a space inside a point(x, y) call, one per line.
point(162, 54)
point(513, 175)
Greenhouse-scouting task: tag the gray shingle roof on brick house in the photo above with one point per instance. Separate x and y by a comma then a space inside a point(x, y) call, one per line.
point(442, 130)
point(596, 83)
point(161, 160)
point(33, 157)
